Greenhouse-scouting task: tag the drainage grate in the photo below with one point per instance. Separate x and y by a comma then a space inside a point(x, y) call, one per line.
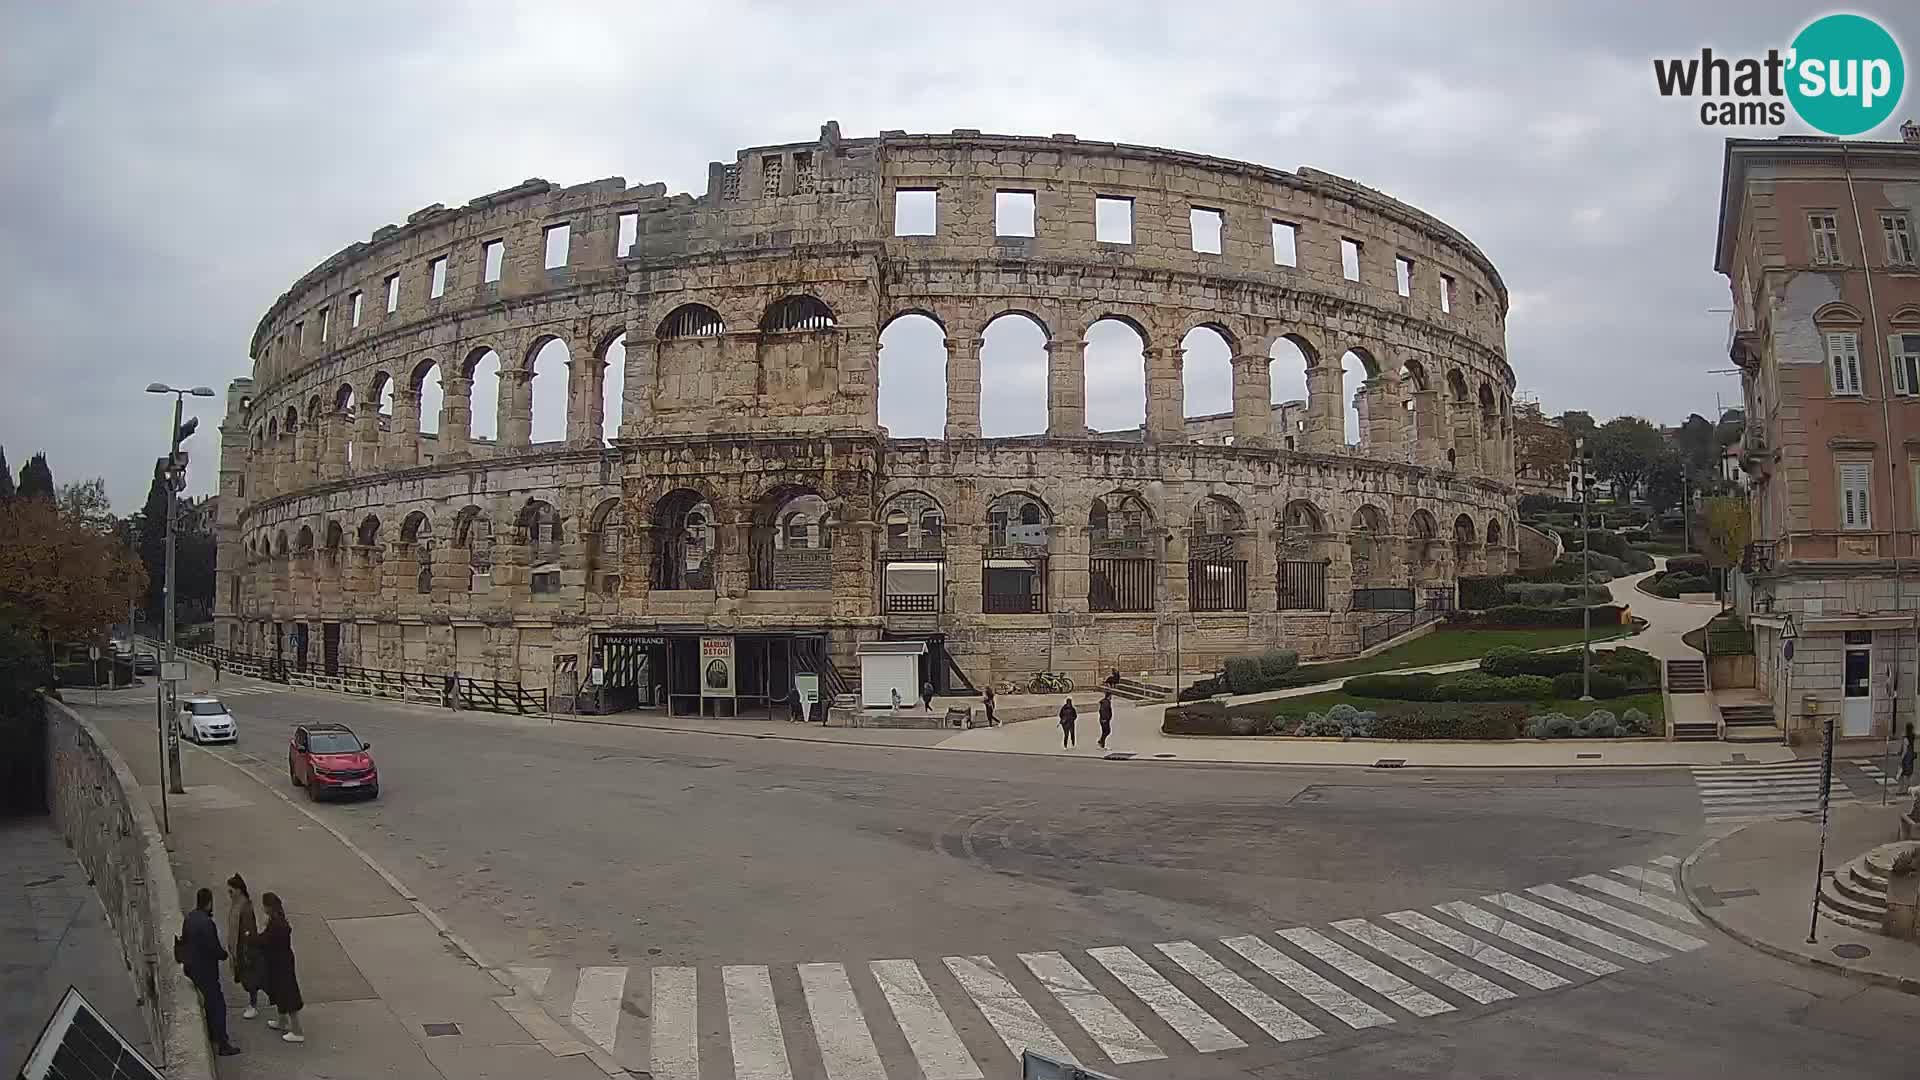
point(1737, 759)
point(1850, 951)
point(1390, 763)
point(1163, 755)
point(1585, 757)
point(1120, 755)
point(440, 1029)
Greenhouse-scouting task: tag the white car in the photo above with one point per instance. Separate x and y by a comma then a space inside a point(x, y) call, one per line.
point(206, 720)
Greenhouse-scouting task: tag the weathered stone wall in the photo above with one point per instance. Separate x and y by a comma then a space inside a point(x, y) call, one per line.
point(98, 808)
point(750, 320)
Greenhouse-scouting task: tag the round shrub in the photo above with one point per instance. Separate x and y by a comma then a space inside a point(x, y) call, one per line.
point(1502, 660)
point(1604, 684)
point(1636, 722)
point(1535, 593)
point(1600, 577)
point(1277, 662)
point(1416, 687)
point(1550, 726)
point(1527, 688)
point(1687, 564)
point(1469, 686)
point(1242, 674)
point(1601, 724)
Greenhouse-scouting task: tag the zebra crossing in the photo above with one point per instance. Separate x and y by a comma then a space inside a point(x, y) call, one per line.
point(1740, 793)
point(971, 1017)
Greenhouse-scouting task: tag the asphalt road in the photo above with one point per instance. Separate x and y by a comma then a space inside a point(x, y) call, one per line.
point(565, 847)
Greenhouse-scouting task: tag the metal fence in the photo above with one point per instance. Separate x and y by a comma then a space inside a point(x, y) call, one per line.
point(421, 687)
point(1120, 585)
point(1217, 584)
point(913, 603)
point(1387, 599)
point(1303, 585)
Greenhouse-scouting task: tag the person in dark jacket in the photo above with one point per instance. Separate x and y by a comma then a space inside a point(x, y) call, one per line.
point(276, 954)
point(200, 953)
point(1068, 714)
point(1106, 717)
point(1906, 762)
point(992, 721)
point(243, 930)
point(926, 695)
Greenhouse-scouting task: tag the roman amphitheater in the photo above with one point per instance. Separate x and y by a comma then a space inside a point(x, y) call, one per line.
point(723, 477)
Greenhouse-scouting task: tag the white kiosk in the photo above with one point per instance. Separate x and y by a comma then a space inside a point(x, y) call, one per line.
point(887, 666)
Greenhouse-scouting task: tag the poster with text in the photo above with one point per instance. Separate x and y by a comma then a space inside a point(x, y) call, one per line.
point(716, 667)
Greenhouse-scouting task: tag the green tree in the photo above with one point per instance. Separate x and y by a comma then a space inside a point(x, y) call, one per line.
point(1624, 451)
point(6, 477)
point(152, 533)
point(1726, 527)
point(36, 478)
point(86, 504)
point(1666, 481)
point(1577, 424)
point(1695, 440)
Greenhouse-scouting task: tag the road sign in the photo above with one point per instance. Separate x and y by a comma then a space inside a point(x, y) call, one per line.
point(1788, 648)
point(93, 652)
point(173, 671)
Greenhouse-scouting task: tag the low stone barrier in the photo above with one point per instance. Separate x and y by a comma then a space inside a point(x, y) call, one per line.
point(98, 808)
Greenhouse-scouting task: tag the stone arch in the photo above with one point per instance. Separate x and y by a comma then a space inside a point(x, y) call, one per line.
point(1206, 373)
point(425, 382)
point(1289, 357)
point(1456, 385)
point(1115, 374)
point(473, 533)
point(1120, 521)
point(367, 534)
point(606, 547)
point(280, 544)
point(913, 377)
point(682, 526)
point(1837, 314)
point(1357, 366)
point(613, 386)
point(1124, 547)
point(913, 522)
point(690, 321)
point(1421, 525)
point(1015, 347)
point(790, 540)
point(379, 393)
point(1494, 538)
point(314, 409)
point(482, 368)
point(1013, 574)
point(416, 534)
point(1214, 528)
point(335, 536)
point(798, 313)
point(550, 405)
point(303, 541)
point(1464, 532)
point(1366, 545)
point(922, 310)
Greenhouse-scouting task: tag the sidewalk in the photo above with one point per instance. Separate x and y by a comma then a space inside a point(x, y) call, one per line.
point(1756, 884)
point(378, 976)
point(54, 934)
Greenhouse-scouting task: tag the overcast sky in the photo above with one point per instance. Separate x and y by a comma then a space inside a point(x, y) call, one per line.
point(169, 169)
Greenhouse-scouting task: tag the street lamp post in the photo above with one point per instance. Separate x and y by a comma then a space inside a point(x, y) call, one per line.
point(176, 478)
point(1582, 459)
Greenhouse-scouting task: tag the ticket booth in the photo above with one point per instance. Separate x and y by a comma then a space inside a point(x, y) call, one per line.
point(889, 666)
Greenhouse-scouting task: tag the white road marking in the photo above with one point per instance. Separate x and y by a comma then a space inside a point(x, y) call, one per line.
point(1452, 976)
point(847, 1051)
point(1672, 909)
point(1654, 878)
point(535, 978)
point(753, 1022)
point(1665, 860)
point(930, 1035)
point(1625, 920)
point(1019, 1026)
point(1474, 949)
point(1116, 1035)
point(676, 1027)
point(1573, 927)
point(596, 1003)
point(1511, 931)
point(1307, 982)
point(1366, 972)
point(1274, 1018)
point(1193, 1023)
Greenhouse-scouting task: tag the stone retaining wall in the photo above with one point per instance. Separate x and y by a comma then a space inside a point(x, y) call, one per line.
point(99, 810)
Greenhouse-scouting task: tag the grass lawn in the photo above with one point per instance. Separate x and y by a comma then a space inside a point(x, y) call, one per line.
point(1448, 646)
point(1649, 703)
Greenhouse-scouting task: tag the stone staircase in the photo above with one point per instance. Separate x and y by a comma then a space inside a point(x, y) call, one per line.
point(1141, 692)
point(1856, 894)
point(1749, 724)
point(1686, 676)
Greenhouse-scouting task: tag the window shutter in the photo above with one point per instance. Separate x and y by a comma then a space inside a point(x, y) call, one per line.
point(1855, 506)
point(1900, 384)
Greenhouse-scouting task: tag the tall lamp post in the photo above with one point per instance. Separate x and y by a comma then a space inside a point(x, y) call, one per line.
point(1582, 471)
point(176, 475)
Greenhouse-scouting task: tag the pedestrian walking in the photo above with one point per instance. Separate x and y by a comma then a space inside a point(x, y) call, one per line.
point(198, 951)
point(1113, 677)
point(992, 721)
point(926, 695)
point(243, 932)
point(283, 986)
point(1906, 762)
point(1106, 717)
point(216, 671)
point(1068, 714)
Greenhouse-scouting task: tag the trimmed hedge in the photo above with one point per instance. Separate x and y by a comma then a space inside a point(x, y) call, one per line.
point(1514, 660)
point(1480, 723)
point(1687, 564)
point(1520, 617)
point(1457, 686)
point(1604, 684)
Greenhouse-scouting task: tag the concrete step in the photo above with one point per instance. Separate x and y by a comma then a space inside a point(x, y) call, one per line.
point(1832, 899)
point(1136, 690)
point(1855, 922)
point(1683, 732)
point(1747, 714)
point(1748, 733)
point(1847, 884)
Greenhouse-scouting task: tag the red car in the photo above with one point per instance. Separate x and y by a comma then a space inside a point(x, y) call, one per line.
point(329, 759)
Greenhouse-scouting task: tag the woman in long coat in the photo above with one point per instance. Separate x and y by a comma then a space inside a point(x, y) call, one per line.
point(276, 953)
point(243, 933)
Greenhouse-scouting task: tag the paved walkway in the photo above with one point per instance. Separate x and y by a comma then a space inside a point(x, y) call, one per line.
point(1757, 884)
point(378, 974)
point(54, 934)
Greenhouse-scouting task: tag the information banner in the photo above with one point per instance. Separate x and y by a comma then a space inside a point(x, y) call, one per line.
point(716, 667)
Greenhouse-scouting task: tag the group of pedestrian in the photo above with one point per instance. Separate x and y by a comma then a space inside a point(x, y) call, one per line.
point(1069, 715)
point(261, 961)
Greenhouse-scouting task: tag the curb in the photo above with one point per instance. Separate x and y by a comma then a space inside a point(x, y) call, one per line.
point(465, 948)
point(1879, 978)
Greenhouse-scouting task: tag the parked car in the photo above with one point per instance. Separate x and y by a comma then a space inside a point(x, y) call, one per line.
point(205, 720)
point(145, 663)
point(329, 759)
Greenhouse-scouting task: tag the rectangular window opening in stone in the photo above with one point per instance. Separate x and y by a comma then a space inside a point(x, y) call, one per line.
point(393, 293)
point(629, 232)
point(1825, 229)
point(770, 169)
point(1856, 507)
point(1446, 294)
point(355, 300)
point(730, 183)
point(803, 182)
point(1285, 236)
point(300, 334)
point(1898, 229)
point(915, 211)
point(1207, 227)
point(1013, 213)
point(1113, 219)
point(325, 318)
point(437, 279)
point(493, 258)
point(558, 238)
point(1403, 275)
point(1350, 259)
point(1843, 362)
